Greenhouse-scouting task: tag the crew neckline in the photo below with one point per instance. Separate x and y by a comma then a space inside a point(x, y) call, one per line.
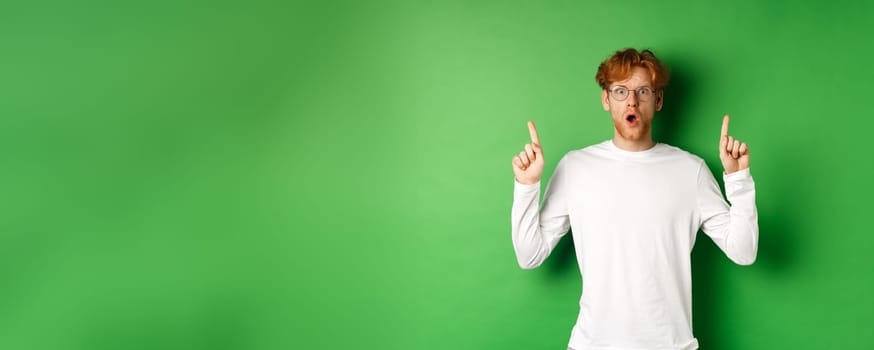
point(612, 146)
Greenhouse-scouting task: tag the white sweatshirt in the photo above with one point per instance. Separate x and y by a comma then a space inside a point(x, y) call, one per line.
point(634, 216)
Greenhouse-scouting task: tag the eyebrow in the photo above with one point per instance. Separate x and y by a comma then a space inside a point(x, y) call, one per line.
point(645, 86)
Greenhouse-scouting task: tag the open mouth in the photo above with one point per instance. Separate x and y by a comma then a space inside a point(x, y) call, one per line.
point(631, 119)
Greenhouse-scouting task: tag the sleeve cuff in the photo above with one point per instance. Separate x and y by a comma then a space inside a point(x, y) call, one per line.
point(737, 175)
point(523, 187)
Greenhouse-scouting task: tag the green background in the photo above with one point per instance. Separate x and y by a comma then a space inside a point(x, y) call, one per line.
point(276, 175)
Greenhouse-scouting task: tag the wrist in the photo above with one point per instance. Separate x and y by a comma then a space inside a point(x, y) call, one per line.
point(732, 171)
point(528, 181)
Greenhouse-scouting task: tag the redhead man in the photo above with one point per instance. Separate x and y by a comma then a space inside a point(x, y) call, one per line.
point(635, 207)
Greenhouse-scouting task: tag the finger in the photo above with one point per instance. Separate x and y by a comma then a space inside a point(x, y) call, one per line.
point(725, 125)
point(723, 143)
point(735, 149)
point(729, 144)
point(744, 149)
point(517, 162)
point(533, 131)
point(524, 157)
point(538, 151)
point(530, 152)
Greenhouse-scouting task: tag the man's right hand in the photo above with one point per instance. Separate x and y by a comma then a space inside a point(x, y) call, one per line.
point(528, 165)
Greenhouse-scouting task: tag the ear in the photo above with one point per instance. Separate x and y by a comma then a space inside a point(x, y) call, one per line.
point(660, 98)
point(604, 101)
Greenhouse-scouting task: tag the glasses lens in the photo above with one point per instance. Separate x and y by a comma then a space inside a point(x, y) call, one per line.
point(644, 94)
point(619, 93)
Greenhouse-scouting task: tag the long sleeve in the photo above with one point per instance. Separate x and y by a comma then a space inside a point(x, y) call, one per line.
point(734, 229)
point(535, 232)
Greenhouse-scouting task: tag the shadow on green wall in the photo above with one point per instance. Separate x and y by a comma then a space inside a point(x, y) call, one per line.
point(563, 260)
point(678, 95)
point(705, 254)
point(775, 251)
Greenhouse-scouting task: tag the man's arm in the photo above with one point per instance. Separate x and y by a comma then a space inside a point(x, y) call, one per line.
point(535, 232)
point(736, 229)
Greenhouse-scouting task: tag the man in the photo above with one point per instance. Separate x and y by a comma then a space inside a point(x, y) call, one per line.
point(635, 207)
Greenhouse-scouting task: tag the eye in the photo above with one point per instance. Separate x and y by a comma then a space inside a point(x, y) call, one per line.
point(644, 91)
point(621, 91)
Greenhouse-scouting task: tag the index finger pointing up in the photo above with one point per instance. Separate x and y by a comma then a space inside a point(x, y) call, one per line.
point(725, 125)
point(533, 131)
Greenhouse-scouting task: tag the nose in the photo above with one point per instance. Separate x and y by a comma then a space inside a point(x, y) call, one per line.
point(632, 98)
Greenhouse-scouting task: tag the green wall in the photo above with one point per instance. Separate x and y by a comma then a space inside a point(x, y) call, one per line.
point(278, 175)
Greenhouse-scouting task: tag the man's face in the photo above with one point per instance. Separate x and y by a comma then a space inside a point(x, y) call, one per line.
point(632, 117)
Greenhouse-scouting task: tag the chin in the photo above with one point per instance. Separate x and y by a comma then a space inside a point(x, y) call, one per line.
point(632, 134)
point(635, 134)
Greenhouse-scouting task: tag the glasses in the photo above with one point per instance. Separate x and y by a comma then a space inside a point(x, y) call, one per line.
point(620, 93)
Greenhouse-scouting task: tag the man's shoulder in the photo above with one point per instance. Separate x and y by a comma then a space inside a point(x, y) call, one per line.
point(678, 152)
point(681, 157)
point(588, 151)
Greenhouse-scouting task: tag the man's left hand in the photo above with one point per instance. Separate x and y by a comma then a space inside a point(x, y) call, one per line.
point(735, 155)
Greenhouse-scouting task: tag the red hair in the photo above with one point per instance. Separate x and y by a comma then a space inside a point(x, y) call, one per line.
point(619, 67)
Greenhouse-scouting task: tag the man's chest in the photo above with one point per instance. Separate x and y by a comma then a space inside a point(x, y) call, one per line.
point(631, 194)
